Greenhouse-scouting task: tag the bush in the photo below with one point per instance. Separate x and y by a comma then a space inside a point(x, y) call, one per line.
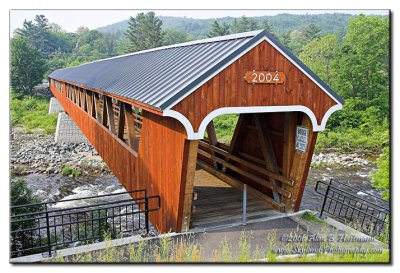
point(67, 171)
point(381, 176)
point(20, 194)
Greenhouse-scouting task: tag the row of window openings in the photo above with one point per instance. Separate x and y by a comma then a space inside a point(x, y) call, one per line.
point(116, 109)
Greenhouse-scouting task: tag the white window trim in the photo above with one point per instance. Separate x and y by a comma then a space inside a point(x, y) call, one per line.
point(251, 109)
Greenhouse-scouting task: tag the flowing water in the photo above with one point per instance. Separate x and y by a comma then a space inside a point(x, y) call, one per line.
point(357, 177)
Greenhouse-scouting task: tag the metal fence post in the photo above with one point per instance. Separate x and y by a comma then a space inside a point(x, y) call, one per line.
point(244, 204)
point(326, 197)
point(146, 214)
point(48, 231)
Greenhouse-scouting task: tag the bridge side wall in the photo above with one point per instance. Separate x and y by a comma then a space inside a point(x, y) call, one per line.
point(162, 167)
point(115, 153)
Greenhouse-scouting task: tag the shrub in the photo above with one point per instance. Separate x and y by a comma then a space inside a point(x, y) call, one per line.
point(381, 176)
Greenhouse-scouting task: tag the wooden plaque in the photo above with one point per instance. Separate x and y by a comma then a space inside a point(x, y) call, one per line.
point(264, 77)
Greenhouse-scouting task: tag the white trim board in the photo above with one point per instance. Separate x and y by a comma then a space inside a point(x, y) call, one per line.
point(251, 109)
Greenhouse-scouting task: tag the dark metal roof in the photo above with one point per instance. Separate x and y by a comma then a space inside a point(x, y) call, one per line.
point(161, 77)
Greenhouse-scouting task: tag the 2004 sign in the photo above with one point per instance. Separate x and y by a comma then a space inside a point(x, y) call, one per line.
point(264, 77)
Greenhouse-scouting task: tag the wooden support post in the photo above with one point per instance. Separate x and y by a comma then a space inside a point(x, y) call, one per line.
point(189, 174)
point(93, 106)
point(301, 165)
point(242, 121)
point(121, 122)
point(84, 100)
point(130, 124)
point(89, 101)
point(98, 107)
point(289, 138)
point(110, 115)
point(212, 137)
point(267, 150)
point(80, 104)
point(104, 112)
point(74, 94)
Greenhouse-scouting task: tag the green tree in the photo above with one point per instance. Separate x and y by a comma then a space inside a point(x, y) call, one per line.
point(244, 24)
point(218, 29)
point(267, 26)
point(363, 64)
point(320, 54)
point(27, 66)
point(311, 32)
point(37, 34)
point(174, 36)
point(144, 32)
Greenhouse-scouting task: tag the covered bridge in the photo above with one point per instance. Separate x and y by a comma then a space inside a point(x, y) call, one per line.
point(147, 114)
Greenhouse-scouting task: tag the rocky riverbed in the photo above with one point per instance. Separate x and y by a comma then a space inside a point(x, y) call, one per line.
point(38, 153)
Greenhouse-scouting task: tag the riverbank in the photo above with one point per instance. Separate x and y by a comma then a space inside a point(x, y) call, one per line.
point(38, 153)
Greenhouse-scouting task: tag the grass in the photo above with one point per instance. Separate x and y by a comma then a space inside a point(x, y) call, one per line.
point(170, 250)
point(31, 113)
point(309, 216)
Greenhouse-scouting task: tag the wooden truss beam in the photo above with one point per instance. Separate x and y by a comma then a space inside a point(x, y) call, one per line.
point(267, 150)
point(130, 124)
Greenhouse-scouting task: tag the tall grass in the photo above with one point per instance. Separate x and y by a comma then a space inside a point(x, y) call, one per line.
point(186, 250)
point(31, 113)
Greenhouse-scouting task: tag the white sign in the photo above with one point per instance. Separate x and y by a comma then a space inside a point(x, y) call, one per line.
point(301, 138)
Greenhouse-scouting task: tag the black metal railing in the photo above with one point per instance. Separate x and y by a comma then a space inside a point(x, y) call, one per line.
point(45, 227)
point(368, 213)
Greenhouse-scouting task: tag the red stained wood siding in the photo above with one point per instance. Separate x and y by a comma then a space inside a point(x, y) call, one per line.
point(162, 165)
point(230, 89)
point(159, 166)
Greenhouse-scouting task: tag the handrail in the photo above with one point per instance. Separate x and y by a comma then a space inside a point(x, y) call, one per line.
point(355, 208)
point(336, 189)
point(53, 228)
point(266, 172)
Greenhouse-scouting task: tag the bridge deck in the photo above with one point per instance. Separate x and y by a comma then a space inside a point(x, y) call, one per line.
point(218, 202)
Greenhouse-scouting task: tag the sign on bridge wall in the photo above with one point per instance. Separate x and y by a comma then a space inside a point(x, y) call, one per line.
point(301, 138)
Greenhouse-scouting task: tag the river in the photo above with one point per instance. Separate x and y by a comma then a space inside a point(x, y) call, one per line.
point(57, 187)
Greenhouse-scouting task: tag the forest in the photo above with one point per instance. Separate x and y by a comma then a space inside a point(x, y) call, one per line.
point(350, 53)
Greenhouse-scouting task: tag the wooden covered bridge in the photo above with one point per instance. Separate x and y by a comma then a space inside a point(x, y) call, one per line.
point(147, 114)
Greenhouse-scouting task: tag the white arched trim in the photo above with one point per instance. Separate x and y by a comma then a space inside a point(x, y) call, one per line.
point(251, 109)
point(185, 122)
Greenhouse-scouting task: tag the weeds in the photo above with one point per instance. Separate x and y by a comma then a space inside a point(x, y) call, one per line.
point(68, 171)
point(309, 216)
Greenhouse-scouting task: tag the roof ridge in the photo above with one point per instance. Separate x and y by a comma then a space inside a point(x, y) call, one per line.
point(195, 42)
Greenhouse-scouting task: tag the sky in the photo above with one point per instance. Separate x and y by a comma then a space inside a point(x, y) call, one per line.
point(70, 20)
